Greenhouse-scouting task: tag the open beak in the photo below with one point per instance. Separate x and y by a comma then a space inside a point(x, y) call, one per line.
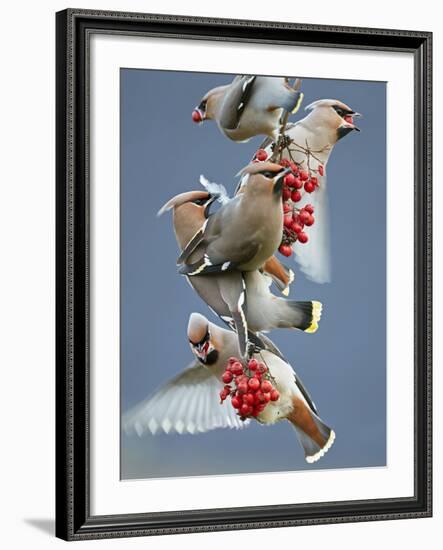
point(349, 119)
point(347, 125)
point(202, 350)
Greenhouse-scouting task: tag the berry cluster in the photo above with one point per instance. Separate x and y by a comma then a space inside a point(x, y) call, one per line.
point(296, 183)
point(252, 390)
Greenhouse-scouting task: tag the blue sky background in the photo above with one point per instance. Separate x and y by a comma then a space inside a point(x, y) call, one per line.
point(343, 365)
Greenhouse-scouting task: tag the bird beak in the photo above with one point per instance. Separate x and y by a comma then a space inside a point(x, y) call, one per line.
point(198, 116)
point(349, 120)
point(347, 125)
point(202, 350)
point(278, 181)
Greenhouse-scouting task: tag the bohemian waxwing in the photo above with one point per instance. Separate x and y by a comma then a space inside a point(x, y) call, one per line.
point(328, 121)
point(246, 231)
point(249, 106)
point(190, 402)
point(243, 301)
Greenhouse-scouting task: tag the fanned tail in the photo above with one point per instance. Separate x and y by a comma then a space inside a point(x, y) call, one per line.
point(302, 315)
point(314, 451)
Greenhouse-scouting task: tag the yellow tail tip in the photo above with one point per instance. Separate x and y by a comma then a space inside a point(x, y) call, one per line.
point(317, 308)
point(299, 102)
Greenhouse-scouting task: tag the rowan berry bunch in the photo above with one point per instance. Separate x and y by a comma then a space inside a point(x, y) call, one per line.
point(295, 184)
point(250, 387)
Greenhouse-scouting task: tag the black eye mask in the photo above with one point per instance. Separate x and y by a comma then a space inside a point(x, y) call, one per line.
point(269, 174)
point(342, 112)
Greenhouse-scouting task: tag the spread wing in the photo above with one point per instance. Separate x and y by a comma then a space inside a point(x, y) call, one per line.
point(314, 257)
point(215, 189)
point(189, 403)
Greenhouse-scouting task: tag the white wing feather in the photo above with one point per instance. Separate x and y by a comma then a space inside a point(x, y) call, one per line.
point(314, 257)
point(188, 403)
point(215, 189)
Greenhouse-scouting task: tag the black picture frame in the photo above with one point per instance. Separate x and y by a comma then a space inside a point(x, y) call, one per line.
point(74, 521)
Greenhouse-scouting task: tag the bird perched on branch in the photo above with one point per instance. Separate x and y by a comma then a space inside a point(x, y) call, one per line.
point(242, 300)
point(190, 403)
point(313, 139)
point(249, 106)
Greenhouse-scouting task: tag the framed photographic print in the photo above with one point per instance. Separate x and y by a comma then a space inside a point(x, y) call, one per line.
point(243, 274)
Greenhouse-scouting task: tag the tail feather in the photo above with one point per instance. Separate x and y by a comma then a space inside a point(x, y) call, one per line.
point(313, 451)
point(304, 315)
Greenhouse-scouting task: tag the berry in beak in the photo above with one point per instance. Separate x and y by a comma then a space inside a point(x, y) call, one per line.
point(197, 116)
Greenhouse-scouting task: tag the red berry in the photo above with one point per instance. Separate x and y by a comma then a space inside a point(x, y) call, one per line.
point(310, 221)
point(314, 180)
point(304, 216)
point(245, 410)
point(242, 388)
point(275, 395)
point(255, 412)
point(286, 194)
point(261, 155)
point(304, 176)
point(223, 395)
point(295, 196)
point(293, 167)
point(287, 208)
point(267, 397)
point(321, 169)
point(227, 377)
point(289, 180)
point(236, 403)
point(196, 116)
point(249, 398)
point(298, 184)
point(297, 227)
point(309, 208)
point(259, 397)
point(266, 386)
point(260, 407)
point(262, 368)
point(237, 368)
point(253, 364)
point(287, 220)
point(285, 163)
point(233, 360)
point(285, 249)
point(254, 384)
point(302, 237)
point(309, 187)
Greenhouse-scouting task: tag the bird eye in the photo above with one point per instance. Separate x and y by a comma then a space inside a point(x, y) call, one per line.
point(202, 105)
point(339, 111)
point(269, 174)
